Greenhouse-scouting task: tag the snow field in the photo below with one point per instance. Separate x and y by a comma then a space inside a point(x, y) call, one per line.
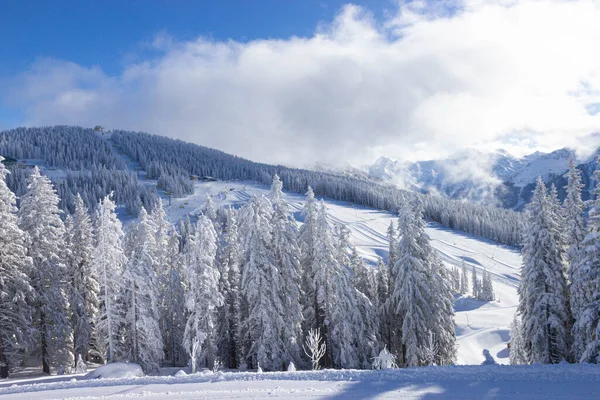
point(579, 381)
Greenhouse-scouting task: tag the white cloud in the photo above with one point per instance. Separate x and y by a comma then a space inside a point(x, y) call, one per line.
point(421, 84)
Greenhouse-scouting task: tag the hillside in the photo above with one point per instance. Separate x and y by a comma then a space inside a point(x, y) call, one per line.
point(96, 163)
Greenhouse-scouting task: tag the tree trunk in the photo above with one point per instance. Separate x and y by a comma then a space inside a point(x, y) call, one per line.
point(3, 362)
point(45, 364)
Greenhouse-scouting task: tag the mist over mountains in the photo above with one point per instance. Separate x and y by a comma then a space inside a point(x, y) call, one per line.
point(497, 177)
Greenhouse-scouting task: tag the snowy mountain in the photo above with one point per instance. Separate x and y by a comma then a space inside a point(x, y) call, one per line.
point(498, 177)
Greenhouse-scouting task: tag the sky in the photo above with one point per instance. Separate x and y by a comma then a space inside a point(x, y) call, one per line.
point(300, 82)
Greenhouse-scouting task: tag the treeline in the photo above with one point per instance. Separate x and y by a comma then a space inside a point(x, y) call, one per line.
point(87, 163)
point(500, 225)
point(237, 289)
point(558, 318)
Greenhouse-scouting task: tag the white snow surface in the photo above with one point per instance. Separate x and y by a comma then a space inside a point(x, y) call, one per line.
point(116, 370)
point(466, 382)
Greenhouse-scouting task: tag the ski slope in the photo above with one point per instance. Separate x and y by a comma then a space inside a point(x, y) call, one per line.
point(479, 325)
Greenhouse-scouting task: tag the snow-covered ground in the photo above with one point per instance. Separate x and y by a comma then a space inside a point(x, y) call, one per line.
point(467, 382)
point(479, 325)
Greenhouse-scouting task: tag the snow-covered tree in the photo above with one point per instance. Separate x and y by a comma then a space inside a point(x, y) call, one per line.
point(203, 297)
point(518, 353)
point(585, 287)
point(39, 216)
point(173, 302)
point(314, 348)
point(476, 283)
point(543, 302)
point(109, 265)
point(307, 241)
point(287, 260)
point(145, 341)
point(573, 209)
point(261, 287)
point(487, 288)
point(16, 293)
point(229, 329)
point(464, 278)
point(364, 278)
point(82, 277)
point(421, 298)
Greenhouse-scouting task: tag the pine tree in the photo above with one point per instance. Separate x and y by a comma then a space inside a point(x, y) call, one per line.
point(333, 293)
point(145, 341)
point(487, 288)
point(518, 353)
point(16, 293)
point(573, 210)
point(287, 260)
point(229, 340)
point(83, 279)
point(422, 299)
point(203, 297)
point(543, 291)
point(174, 304)
point(585, 289)
point(383, 294)
point(39, 216)
point(464, 278)
point(109, 265)
point(307, 241)
point(261, 285)
point(476, 283)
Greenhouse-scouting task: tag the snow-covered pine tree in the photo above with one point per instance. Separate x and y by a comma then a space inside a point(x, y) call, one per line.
point(229, 340)
point(364, 280)
point(209, 209)
point(307, 241)
point(145, 341)
point(422, 299)
point(83, 279)
point(203, 297)
point(573, 210)
point(332, 292)
point(543, 302)
point(16, 294)
point(167, 271)
point(585, 287)
point(464, 278)
point(261, 287)
point(517, 354)
point(487, 288)
point(382, 294)
point(174, 305)
point(287, 260)
point(476, 283)
point(39, 216)
point(109, 265)
point(392, 235)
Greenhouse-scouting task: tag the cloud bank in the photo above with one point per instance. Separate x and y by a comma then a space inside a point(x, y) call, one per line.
point(429, 80)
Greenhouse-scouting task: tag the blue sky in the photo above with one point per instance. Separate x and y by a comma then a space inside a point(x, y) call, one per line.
point(109, 33)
